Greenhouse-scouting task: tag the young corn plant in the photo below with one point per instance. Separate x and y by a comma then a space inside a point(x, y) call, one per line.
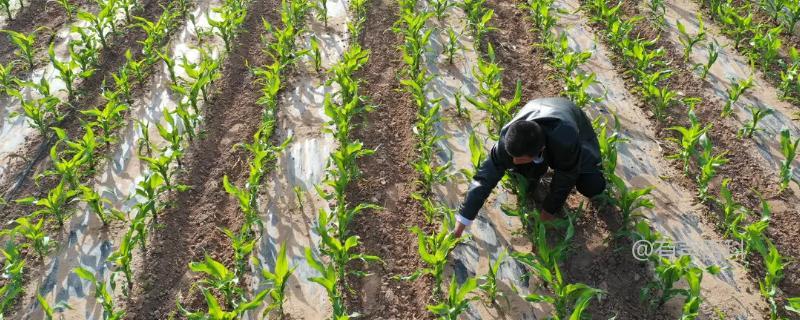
point(689, 41)
point(322, 11)
point(658, 10)
point(242, 244)
point(216, 312)
point(219, 278)
point(478, 18)
point(708, 162)
point(457, 300)
point(67, 72)
point(329, 280)
point(12, 272)
point(25, 44)
point(6, 5)
point(85, 53)
point(316, 54)
point(100, 205)
point(689, 138)
point(774, 265)
point(629, 201)
point(41, 113)
point(358, 10)
point(69, 8)
point(767, 46)
point(49, 311)
point(489, 285)
point(7, 79)
point(733, 212)
point(121, 260)
point(790, 16)
point(107, 119)
point(55, 205)
point(734, 92)
point(577, 86)
point(789, 151)
point(433, 250)
point(102, 292)
point(451, 48)
point(490, 88)
point(100, 24)
point(35, 235)
point(232, 15)
point(713, 54)
point(750, 127)
point(667, 274)
point(278, 278)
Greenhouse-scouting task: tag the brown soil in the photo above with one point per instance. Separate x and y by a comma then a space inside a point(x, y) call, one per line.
point(387, 180)
point(191, 228)
point(44, 18)
point(746, 171)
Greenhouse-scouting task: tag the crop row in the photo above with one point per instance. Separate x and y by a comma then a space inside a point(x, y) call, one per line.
point(338, 246)
point(76, 160)
point(646, 62)
point(761, 43)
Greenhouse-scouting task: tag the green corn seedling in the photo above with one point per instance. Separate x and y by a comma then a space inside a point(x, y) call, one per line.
point(144, 140)
point(39, 112)
point(35, 235)
point(608, 143)
point(713, 54)
point(489, 75)
point(412, 26)
point(135, 67)
point(316, 55)
point(457, 300)
point(478, 18)
point(102, 292)
point(49, 311)
point(340, 252)
point(629, 201)
point(67, 72)
point(330, 282)
point(358, 10)
point(767, 46)
point(433, 250)
point(231, 17)
point(773, 7)
point(278, 278)
point(541, 15)
point(121, 259)
point(122, 84)
point(25, 44)
point(658, 9)
point(752, 235)
point(219, 278)
point(216, 312)
point(660, 99)
point(790, 16)
point(243, 245)
point(774, 265)
point(170, 66)
point(733, 212)
point(98, 205)
point(55, 204)
point(161, 165)
point(789, 151)
point(13, 268)
point(689, 41)
point(69, 8)
point(98, 23)
point(708, 162)
point(689, 137)
point(440, 8)
point(452, 46)
point(6, 5)
point(751, 126)
point(7, 79)
point(667, 274)
point(85, 54)
point(322, 11)
point(108, 119)
point(793, 305)
point(734, 92)
point(577, 86)
point(638, 53)
point(68, 168)
point(149, 189)
point(489, 285)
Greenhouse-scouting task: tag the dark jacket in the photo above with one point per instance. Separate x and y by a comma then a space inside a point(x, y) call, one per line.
point(571, 148)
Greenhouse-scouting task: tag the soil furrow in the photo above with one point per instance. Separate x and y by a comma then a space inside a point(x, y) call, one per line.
point(191, 227)
point(387, 180)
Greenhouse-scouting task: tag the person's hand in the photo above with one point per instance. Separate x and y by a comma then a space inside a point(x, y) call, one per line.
point(458, 230)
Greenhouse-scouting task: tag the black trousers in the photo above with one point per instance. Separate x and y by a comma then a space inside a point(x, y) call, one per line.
point(590, 183)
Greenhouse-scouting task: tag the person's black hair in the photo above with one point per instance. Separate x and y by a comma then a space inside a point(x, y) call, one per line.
point(523, 138)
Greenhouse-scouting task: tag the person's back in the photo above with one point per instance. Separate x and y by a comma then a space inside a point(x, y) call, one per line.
point(547, 132)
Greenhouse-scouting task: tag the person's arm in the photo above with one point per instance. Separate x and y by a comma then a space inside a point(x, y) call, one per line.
point(566, 153)
point(489, 174)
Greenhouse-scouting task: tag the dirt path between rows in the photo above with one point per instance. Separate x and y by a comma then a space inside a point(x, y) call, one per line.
point(192, 227)
point(388, 180)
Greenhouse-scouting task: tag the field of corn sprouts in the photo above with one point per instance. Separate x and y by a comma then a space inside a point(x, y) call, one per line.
point(305, 159)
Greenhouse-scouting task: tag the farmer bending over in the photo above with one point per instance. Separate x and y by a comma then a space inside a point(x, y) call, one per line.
point(547, 132)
